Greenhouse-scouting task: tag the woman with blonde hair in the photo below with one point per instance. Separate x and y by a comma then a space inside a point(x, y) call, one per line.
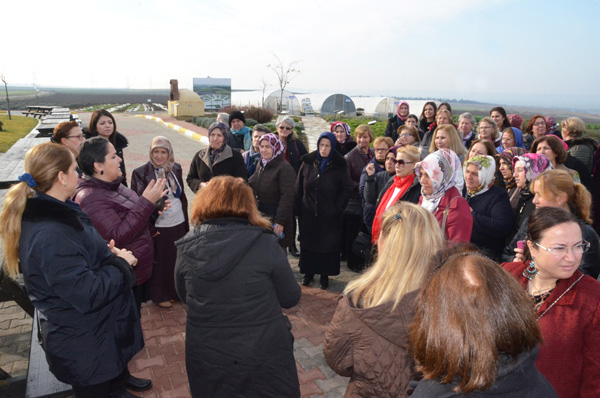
point(446, 136)
point(79, 285)
point(474, 333)
point(234, 277)
point(367, 338)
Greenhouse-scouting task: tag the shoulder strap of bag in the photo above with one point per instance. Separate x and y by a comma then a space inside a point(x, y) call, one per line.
point(446, 212)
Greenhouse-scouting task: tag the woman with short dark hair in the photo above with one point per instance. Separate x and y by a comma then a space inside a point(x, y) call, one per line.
point(475, 334)
point(566, 302)
point(234, 278)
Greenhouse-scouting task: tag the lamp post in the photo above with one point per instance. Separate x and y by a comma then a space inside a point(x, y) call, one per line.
point(7, 101)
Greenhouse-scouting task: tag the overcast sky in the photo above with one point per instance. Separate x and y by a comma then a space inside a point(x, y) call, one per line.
point(517, 52)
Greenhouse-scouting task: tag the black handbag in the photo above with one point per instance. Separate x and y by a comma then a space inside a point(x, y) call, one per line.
point(362, 245)
point(354, 207)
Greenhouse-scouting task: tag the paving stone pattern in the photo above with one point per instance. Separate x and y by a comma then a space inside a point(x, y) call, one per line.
point(163, 358)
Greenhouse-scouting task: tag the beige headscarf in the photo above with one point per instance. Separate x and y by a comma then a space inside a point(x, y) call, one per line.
point(166, 170)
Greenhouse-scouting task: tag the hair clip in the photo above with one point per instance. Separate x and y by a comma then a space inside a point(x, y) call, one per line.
point(398, 217)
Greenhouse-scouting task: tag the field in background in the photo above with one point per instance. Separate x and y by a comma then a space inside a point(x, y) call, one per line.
point(13, 130)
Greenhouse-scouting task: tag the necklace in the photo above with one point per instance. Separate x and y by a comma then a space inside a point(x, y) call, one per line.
point(537, 292)
point(559, 297)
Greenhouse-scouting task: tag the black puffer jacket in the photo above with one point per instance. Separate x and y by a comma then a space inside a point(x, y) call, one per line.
point(229, 162)
point(391, 130)
point(583, 148)
point(89, 320)
point(235, 278)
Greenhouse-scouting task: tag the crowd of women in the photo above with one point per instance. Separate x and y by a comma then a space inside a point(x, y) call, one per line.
point(425, 213)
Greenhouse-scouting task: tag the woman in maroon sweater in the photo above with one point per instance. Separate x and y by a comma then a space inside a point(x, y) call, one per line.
point(567, 302)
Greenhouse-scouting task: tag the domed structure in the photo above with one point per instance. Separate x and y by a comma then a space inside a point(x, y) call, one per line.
point(189, 104)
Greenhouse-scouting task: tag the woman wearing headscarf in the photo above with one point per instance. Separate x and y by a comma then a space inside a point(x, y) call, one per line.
point(239, 135)
point(273, 186)
point(490, 206)
point(323, 188)
point(526, 167)
point(505, 167)
point(397, 120)
point(342, 132)
point(218, 159)
point(169, 226)
point(252, 157)
point(441, 178)
point(511, 137)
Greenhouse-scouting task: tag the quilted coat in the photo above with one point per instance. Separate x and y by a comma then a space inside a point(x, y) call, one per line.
point(371, 347)
point(235, 278)
point(88, 317)
point(569, 356)
point(230, 162)
point(118, 213)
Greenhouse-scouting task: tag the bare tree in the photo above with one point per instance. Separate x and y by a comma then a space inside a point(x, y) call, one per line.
point(264, 85)
point(285, 73)
point(7, 100)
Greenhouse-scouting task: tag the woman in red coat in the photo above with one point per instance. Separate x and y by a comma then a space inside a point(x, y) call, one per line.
point(441, 178)
point(567, 302)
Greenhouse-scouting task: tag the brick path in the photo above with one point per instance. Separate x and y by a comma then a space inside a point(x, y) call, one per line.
point(163, 358)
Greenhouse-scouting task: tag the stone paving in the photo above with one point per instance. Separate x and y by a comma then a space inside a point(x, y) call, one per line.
point(163, 358)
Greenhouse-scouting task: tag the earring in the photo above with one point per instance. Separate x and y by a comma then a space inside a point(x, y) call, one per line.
point(530, 272)
point(101, 172)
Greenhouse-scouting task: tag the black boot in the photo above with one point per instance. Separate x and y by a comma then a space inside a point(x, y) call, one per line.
point(137, 384)
point(293, 250)
point(307, 279)
point(324, 282)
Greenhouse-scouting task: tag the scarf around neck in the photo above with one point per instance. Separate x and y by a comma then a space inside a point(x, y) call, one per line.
point(403, 184)
point(246, 133)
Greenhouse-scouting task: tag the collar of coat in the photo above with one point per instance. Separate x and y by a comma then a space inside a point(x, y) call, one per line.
point(336, 158)
point(226, 154)
point(44, 208)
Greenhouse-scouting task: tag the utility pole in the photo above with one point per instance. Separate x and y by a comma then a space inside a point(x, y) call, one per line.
point(7, 101)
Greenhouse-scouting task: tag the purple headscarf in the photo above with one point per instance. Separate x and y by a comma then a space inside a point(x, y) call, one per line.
point(533, 163)
point(276, 145)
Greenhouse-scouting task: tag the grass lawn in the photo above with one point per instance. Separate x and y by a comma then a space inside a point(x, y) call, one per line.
point(14, 129)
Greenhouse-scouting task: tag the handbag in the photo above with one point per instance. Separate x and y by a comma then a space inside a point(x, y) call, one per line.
point(362, 245)
point(354, 207)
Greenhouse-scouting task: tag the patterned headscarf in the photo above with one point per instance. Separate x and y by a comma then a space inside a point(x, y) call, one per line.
point(403, 118)
point(444, 169)
point(276, 146)
point(345, 126)
point(165, 171)
point(515, 120)
point(507, 155)
point(487, 171)
point(533, 163)
point(550, 122)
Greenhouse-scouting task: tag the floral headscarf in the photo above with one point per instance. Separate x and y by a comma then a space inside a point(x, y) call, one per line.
point(403, 118)
point(533, 163)
point(165, 171)
point(487, 171)
point(507, 155)
point(515, 120)
point(445, 171)
point(276, 145)
point(345, 126)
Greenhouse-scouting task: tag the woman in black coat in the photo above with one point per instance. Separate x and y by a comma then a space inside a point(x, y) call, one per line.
point(323, 188)
point(217, 159)
point(79, 285)
point(234, 277)
point(169, 226)
point(490, 206)
point(103, 124)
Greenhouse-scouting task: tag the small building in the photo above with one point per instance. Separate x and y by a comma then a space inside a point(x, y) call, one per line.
point(327, 104)
point(376, 107)
point(189, 104)
point(290, 103)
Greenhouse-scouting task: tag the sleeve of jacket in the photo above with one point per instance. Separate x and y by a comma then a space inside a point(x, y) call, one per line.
point(299, 191)
point(287, 289)
point(181, 275)
point(591, 364)
point(287, 180)
point(590, 261)
point(459, 224)
point(583, 153)
point(345, 189)
point(69, 275)
point(239, 166)
point(138, 185)
point(110, 225)
point(370, 189)
point(389, 129)
point(337, 346)
point(193, 178)
point(499, 221)
point(508, 255)
point(301, 148)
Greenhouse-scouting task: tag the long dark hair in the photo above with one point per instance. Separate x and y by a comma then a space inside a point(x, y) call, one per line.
point(94, 122)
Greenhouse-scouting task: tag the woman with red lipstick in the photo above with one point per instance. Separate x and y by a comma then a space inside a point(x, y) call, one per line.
point(566, 301)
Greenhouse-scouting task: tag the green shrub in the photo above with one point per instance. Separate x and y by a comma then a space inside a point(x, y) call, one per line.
point(261, 115)
point(378, 127)
point(250, 123)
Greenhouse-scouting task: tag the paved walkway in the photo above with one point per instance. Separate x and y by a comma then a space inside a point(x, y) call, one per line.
point(163, 358)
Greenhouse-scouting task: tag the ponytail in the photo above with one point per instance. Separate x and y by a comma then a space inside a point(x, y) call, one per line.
point(10, 225)
point(581, 203)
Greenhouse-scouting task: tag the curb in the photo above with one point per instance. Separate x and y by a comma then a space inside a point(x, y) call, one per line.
point(188, 133)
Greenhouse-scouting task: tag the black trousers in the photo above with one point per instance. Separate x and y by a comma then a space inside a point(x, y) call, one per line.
point(109, 389)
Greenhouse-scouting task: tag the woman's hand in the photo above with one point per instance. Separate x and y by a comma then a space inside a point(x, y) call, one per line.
point(519, 256)
point(370, 169)
point(278, 229)
point(125, 254)
point(155, 190)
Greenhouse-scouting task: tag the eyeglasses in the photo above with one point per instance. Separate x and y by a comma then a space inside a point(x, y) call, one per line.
point(285, 127)
point(405, 135)
point(400, 162)
point(561, 251)
point(485, 127)
point(381, 149)
point(79, 136)
point(537, 124)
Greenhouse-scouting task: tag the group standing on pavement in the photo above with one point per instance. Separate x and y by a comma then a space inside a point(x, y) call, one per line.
point(427, 209)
